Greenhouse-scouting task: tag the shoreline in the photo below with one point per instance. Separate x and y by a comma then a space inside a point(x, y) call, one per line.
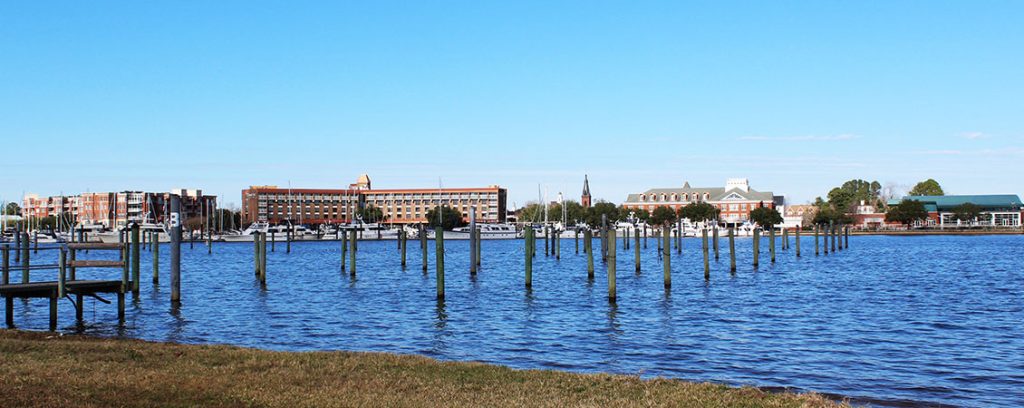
point(96, 371)
point(938, 232)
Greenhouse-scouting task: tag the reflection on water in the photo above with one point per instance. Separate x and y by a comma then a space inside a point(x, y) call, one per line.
point(918, 319)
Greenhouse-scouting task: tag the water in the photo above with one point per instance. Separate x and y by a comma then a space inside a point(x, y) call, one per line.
point(892, 321)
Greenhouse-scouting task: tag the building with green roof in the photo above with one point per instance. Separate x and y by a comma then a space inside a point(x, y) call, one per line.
point(997, 210)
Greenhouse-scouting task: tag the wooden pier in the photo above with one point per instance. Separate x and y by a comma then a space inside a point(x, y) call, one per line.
point(65, 288)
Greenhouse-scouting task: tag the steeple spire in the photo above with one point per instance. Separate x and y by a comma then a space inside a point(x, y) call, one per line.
point(585, 198)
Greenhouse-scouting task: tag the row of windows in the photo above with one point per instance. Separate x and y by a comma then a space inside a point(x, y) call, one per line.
point(674, 197)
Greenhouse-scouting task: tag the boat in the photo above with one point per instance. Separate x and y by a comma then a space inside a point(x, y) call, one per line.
point(487, 231)
point(114, 236)
point(278, 232)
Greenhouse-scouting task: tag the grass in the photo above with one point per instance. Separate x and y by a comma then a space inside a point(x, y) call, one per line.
point(47, 370)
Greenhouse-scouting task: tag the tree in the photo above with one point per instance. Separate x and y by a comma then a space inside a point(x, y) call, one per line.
point(765, 217)
point(699, 212)
point(594, 213)
point(828, 215)
point(907, 212)
point(966, 212)
point(662, 216)
point(641, 214)
point(928, 187)
point(371, 213)
point(12, 209)
point(446, 217)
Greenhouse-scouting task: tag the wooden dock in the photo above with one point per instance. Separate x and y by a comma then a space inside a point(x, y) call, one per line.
point(65, 288)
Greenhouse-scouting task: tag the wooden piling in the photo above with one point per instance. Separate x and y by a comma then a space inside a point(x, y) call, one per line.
point(547, 238)
point(576, 234)
point(666, 257)
point(636, 250)
point(423, 247)
point(344, 246)
point(645, 236)
point(256, 253)
point(679, 237)
point(155, 247)
point(25, 262)
point(611, 265)
point(824, 230)
point(797, 239)
point(402, 244)
point(439, 262)
point(472, 241)
point(816, 244)
point(62, 265)
point(771, 245)
point(714, 232)
point(6, 268)
point(732, 251)
point(263, 258)
point(707, 266)
point(757, 247)
point(588, 247)
point(847, 238)
point(352, 253)
point(479, 247)
point(785, 238)
point(136, 273)
point(833, 233)
point(175, 251)
point(273, 239)
point(528, 251)
point(288, 239)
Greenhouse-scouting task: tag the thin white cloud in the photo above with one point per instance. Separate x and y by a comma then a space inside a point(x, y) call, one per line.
point(808, 138)
point(947, 152)
point(973, 135)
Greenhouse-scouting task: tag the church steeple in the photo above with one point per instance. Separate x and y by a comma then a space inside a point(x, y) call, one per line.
point(585, 198)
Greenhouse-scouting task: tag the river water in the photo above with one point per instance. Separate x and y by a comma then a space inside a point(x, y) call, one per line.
point(891, 321)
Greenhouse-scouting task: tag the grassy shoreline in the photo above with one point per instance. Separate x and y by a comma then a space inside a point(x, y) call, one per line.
point(48, 370)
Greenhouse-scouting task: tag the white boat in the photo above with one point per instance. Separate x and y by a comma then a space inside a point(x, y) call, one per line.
point(278, 232)
point(114, 236)
point(487, 231)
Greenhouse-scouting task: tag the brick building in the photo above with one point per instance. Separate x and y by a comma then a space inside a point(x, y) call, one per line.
point(401, 206)
point(114, 209)
point(735, 200)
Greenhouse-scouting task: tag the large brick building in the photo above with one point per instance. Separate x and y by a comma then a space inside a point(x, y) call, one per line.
point(114, 209)
point(735, 200)
point(402, 206)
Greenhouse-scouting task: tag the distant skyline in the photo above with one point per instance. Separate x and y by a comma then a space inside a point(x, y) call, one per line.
point(107, 96)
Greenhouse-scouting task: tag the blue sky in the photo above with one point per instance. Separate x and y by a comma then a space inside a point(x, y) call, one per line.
point(796, 96)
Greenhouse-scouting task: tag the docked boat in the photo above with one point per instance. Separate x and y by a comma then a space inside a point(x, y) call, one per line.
point(487, 231)
point(279, 232)
point(114, 236)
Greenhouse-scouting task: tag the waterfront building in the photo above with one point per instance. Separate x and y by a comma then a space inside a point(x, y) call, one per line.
point(115, 209)
point(997, 210)
point(400, 206)
point(735, 200)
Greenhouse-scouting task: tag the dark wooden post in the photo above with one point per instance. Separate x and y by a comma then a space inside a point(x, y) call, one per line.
point(757, 246)
point(588, 247)
point(155, 246)
point(136, 272)
point(175, 248)
point(714, 232)
point(611, 265)
point(352, 253)
point(732, 251)
point(636, 249)
point(439, 262)
point(528, 246)
point(666, 256)
point(816, 244)
point(472, 241)
point(771, 245)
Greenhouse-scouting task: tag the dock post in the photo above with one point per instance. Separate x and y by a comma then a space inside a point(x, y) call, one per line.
point(62, 269)
point(636, 250)
point(707, 267)
point(6, 265)
point(71, 257)
point(402, 243)
point(771, 245)
point(135, 259)
point(785, 238)
point(155, 245)
point(604, 238)
point(423, 247)
point(256, 253)
point(666, 257)
point(611, 265)
point(588, 247)
point(547, 245)
point(126, 280)
point(53, 311)
point(577, 238)
point(35, 245)
point(352, 253)
point(645, 235)
point(797, 239)
point(824, 231)
point(343, 239)
point(24, 258)
point(479, 247)
point(757, 246)
point(714, 232)
point(263, 259)
point(529, 257)
point(439, 262)
point(17, 243)
point(557, 235)
point(832, 232)
point(847, 239)
point(816, 245)
point(288, 238)
point(175, 252)
point(273, 240)
point(679, 237)
point(472, 241)
point(732, 251)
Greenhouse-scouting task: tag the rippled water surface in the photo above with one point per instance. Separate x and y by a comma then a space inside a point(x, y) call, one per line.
point(890, 321)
